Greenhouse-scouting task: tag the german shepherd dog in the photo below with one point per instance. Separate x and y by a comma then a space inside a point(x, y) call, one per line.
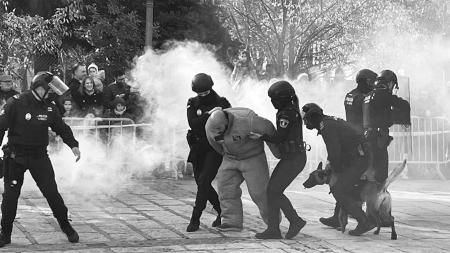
point(378, 199)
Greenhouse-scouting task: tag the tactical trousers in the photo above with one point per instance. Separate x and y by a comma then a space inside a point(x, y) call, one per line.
point(205, 170)
point(380, 162)
point(42, 172)
point(284, 173)
point(232, 173)
point(343, 189)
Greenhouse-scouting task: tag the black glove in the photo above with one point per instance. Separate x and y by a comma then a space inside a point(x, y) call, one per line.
point(191, 138)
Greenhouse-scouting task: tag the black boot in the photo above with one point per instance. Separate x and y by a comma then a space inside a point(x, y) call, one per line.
point(217, 222)
point(194, 224)
point(269, 234)
point(330, 222)
point(71, 234)
point(294, 227)
point(5, 238)
point(362, 228)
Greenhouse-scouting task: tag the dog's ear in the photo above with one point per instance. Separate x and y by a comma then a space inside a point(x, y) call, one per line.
point(319, 167)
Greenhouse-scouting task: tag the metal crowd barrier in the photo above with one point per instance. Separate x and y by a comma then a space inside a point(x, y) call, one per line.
point(101, 130)
point(425, 144)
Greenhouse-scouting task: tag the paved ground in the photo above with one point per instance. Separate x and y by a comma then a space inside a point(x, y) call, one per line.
point(151, 216)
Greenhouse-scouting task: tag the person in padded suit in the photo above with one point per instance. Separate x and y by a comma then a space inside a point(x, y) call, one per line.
point(204, 158)
point(289, 137)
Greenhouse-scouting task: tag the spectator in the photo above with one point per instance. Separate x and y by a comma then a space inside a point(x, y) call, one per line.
point(69, 111)
point(119, 109)
point(119, 88)
point(78, 73)
point(6, 88)
point(242, 69)
point(87, 97)
point(92, 70)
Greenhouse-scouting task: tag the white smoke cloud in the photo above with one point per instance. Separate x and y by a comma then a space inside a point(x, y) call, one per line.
point(164, 78)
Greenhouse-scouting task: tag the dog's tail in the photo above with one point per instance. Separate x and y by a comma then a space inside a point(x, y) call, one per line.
point(393, 175)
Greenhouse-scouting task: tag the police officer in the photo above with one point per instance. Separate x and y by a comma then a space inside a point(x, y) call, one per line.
point(346, 158)
point(6, 88)
point(382, 109)
point(204, 158)
point(289, 137)
point(27, 118)
point(353, 104)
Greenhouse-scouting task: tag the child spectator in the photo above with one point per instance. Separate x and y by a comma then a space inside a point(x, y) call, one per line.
point(69, 111)
point(119, 109)
point(92, 70)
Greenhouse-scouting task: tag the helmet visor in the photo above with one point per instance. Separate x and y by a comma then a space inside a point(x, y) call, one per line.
point(58, 86)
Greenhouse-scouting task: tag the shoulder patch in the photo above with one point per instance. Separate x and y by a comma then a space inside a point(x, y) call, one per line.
point(16, 96)
point(322, 125)
point(284, 123)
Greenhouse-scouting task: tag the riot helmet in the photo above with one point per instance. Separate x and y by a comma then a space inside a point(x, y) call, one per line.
point(48, 81)
point(365, 78)
point(202, 83)
point(282, 94)
point(388, 79)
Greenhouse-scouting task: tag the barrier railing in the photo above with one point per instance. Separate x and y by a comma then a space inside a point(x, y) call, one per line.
point(425, 144)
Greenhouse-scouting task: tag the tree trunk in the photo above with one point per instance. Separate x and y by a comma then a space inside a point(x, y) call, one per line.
point(149, 25)
point(291, 53)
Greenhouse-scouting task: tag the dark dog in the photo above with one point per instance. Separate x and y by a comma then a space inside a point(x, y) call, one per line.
point(376, 196)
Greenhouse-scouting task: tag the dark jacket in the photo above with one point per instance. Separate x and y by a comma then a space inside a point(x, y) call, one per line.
point(353, 104)
point(27, 121)
point(197, 115)
point(86, 102)
point(115, 90)
point(197, 111)
point(341, 140)
point(378, 107)
point(289, 134)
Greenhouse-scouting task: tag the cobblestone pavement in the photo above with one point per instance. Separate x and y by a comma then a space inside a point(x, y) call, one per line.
point(152, 215)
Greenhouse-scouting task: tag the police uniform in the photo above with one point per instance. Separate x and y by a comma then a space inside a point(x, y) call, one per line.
point(289, 138)
point(204, 158)
point(353, 104)
point(377, 118)
point(243, 159)
point(27, 121)
point(348, 162)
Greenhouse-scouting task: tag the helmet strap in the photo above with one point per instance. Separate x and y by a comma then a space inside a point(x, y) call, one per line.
point(36, 94)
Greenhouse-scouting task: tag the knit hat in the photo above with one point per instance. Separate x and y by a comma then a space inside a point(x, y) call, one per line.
point(93, 66)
